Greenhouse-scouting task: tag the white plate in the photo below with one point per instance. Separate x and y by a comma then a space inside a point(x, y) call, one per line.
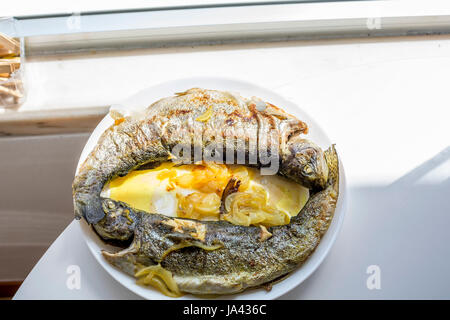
point(316, 134)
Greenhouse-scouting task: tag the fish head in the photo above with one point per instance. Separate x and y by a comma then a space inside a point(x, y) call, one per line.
point(119, 221)
point(305, 163)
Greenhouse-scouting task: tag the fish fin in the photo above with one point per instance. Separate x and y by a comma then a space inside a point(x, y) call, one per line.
point(89, 206)
point(124, 260)
point(178, 237)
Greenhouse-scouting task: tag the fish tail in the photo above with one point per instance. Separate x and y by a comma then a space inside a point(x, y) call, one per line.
point(87, 204)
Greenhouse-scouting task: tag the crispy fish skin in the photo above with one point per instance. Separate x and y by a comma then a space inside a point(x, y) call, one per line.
point(171, 122)
point(244, 258)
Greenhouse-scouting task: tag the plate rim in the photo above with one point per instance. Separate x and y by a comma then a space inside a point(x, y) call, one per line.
point(95, 244)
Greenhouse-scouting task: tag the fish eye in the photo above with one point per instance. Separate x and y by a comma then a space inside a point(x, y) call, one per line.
point(307, 170)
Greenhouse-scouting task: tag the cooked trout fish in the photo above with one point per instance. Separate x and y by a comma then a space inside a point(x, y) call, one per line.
point(218, 254)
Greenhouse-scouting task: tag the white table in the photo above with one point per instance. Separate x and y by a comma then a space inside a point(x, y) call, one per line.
point(386, 106)
point(402, 228)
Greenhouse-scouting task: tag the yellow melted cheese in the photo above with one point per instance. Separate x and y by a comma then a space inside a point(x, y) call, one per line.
point(195, 191)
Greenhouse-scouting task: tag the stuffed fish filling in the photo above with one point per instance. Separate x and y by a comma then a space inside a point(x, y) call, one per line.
point(211, 192)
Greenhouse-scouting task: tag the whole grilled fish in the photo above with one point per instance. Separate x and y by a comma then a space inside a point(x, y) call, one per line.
point(208, 257)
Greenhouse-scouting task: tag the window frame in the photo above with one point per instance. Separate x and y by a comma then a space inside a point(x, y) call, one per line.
point(235, 22)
